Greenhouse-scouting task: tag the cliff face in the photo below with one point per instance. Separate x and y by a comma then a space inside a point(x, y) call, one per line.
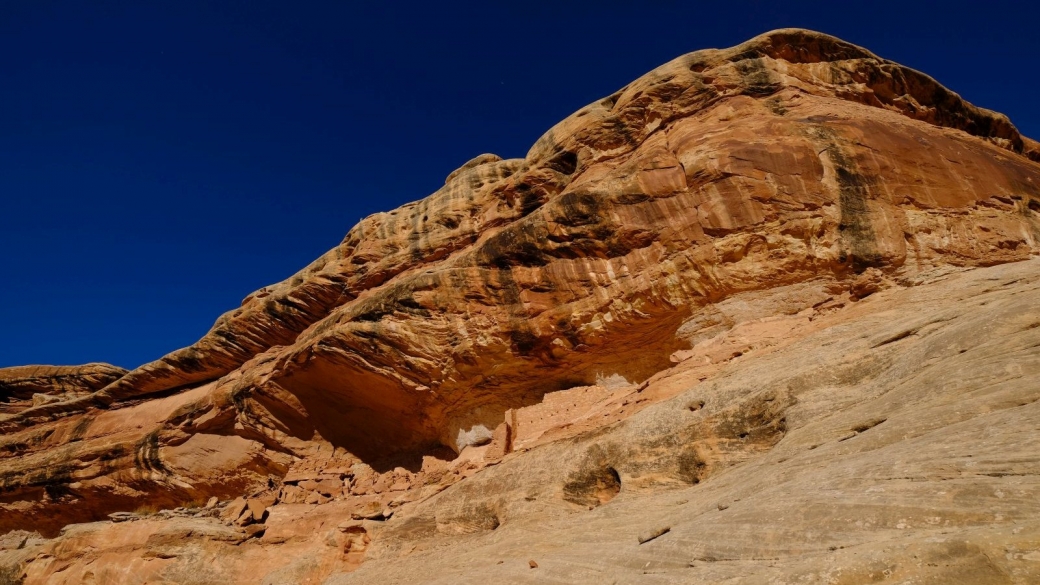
point(791, 175)
point(26, 386)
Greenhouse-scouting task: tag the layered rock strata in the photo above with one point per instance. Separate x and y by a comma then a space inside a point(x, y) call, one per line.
point(887, 438)
point(718, 205)
point(22, 387)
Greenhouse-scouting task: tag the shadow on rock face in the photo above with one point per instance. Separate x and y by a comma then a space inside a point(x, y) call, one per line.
point(592, 486)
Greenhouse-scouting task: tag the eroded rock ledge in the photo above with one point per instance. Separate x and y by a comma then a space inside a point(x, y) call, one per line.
point(22, 387)
point(488, 193)
point(795, 169)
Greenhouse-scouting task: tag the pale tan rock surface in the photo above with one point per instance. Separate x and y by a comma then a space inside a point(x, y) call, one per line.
point(716, 268)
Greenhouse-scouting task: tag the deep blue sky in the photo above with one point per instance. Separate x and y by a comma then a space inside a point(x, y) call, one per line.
point(161, 160)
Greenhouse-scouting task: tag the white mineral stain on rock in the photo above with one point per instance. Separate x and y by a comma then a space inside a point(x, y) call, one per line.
point(612, 382)
point(475, 436)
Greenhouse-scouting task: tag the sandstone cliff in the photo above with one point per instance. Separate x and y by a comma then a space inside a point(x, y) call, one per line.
point(587, 321)
point(25, 386)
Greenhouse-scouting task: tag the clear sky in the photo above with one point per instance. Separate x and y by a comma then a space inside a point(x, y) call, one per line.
point(161, 160)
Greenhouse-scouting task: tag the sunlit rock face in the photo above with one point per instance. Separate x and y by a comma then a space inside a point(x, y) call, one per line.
point(23, 387)
point(792, 174)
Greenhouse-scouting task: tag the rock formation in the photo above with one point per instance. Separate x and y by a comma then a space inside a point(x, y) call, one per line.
point(748, 291)
point(25, 386)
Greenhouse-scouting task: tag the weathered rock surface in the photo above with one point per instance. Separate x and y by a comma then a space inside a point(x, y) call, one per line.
point(890, 438)
point(24, 386)
point(744, 279)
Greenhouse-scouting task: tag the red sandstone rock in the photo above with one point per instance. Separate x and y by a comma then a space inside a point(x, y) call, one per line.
point(24, 386)
point(714, 210)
